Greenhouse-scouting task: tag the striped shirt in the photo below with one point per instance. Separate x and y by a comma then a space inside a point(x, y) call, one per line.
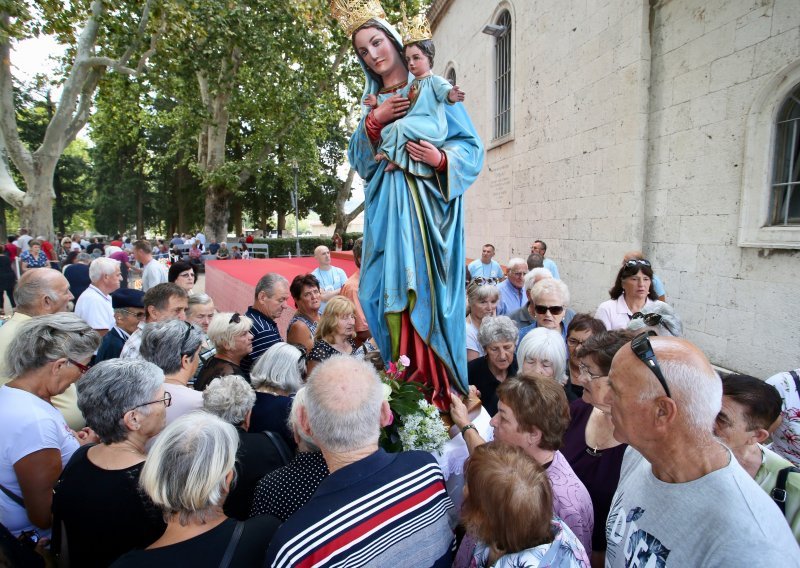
point(265, 335)
point(383, 510)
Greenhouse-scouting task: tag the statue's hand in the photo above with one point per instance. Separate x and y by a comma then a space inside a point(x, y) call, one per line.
point(391, 109)
point(425, 152)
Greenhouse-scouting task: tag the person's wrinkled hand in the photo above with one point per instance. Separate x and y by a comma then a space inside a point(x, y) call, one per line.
point(391, 109)
point(458, 412)
point(424, 151)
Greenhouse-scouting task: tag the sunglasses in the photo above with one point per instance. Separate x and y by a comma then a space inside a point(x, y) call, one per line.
point(481, 281)
point(80, 366)
point(137, 315)
point(555, 310)
point(644, 351)
point(632, 263)
point(167, 401)
point(649, 319)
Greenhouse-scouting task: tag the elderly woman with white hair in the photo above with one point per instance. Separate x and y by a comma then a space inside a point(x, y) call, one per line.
point(98, 498)
point(188, 474)
point(48, 355)
point(549, 304)
point(277, 376)
point(230, 333)
point(282, 492)
point(482, 299)
point(498, 337)
point(174, 346)
point(232, 398)
point(543, 353)
point(657, 316)
point(525, 316)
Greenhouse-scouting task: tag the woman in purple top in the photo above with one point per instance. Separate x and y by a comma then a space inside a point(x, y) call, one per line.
point(589, 444)
point(533, 414)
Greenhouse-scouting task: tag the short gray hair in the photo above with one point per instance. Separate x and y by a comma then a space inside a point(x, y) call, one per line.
point(44, 339)
point(551, 286)
point(343, 415)
point(198, 300)
point(185, 470)
point(533, 275)
point(294, 419)
point(102, 266)
point(543, 343)
point(229, 397)
point(166, 342)
point(494, 329)
point(113, 387)
point(223, 332)
point(517, 261)
point(670, 322)
point(281, 367)
point(267, 283)
point(34, 284)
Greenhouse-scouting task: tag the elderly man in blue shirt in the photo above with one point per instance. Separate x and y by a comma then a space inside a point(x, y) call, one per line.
point(512, 290)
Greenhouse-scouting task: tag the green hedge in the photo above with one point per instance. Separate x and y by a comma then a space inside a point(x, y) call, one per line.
point(284, 246)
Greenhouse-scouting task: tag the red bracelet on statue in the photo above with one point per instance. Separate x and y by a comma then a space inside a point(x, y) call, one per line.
point(442, 166)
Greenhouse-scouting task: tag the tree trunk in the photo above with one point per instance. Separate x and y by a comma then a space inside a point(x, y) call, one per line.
point(344, 219)
point(281, 223)
point(3, 226)
point(217, 213)
point(181, 175)
point(140, 211)
point(36, 212)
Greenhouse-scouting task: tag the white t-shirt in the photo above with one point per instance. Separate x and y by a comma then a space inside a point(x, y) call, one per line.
point(22, 242)
point(94, 307)
point(786, 439)
point(329, 280)
point(75, 246)
point(27, 424)
point(722, 519)
point(153, 273)
point(472, 339)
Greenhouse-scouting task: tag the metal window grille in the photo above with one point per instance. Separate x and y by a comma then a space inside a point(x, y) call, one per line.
point(786, 184)
point(451, 76)
point(502, 81)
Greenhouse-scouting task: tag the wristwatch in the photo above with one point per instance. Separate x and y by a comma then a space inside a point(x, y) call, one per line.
point(468, 427)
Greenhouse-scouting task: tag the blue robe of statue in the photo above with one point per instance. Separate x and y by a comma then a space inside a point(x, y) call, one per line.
point(413, 251)
point(425, 120)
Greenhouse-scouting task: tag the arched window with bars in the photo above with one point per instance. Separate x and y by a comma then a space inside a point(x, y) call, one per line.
point(502, 77)
point(785, 202)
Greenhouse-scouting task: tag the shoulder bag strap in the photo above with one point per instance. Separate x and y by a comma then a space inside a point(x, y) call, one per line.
point(228, 556)
point(778, 494)
point(796, 378)
point(280, 445)
point(14, 497)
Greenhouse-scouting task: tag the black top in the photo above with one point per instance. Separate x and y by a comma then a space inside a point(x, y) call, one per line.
point(478, 374)
point(78, 277)
point(271, 412)
point(282, 492)
point(7, 276)
point(215, 368)
point(257, 456)
point(323, 350)
point(104, 512)
point(206, 550)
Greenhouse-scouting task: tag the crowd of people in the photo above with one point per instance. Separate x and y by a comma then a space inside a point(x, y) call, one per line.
point(146, 427)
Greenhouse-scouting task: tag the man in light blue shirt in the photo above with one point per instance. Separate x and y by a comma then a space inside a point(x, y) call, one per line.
point(485, 267)
point(540, 247)
point(331, 278)
point(512, 290)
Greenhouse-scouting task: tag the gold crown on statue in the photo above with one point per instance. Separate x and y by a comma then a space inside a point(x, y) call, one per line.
point(414, 30)
point(352, 14)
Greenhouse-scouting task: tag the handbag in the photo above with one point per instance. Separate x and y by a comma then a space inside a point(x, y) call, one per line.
point(280, 445)
point(229, 551)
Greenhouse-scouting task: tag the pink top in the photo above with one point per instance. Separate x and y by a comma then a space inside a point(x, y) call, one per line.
point(615, 313)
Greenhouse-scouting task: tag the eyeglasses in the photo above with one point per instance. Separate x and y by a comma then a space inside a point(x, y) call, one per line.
point(640, 262)
point(80, 366)
point(186, 274)
point(137, 315)
point(517, 273)
point(572, 342)
point(649, 319)
point(481, 281)
point(584, 370)
point(555, 310)
point(235, 318)
point(644, 351)
point(167, 401)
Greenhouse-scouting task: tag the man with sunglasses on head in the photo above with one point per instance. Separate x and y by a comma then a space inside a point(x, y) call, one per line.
point(682, 498)
point(129, 311)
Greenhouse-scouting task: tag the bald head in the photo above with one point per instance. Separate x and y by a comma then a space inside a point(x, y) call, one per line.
point(42, 291)
point(323, 255)
point(695, 388)
point(344, 399)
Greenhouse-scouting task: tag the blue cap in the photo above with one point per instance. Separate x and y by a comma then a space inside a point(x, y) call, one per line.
point(127, 298)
